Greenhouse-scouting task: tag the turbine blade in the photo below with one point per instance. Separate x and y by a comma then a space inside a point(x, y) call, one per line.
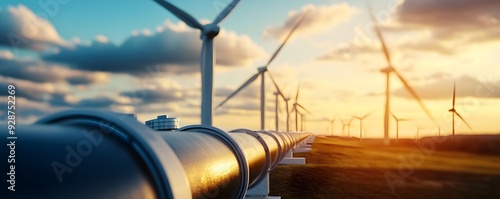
point(415, 95)
point(304, 108)
point(276, 85)
point(249, 81)
point(454, 92)
point(393, 116)
point(379, 35)
point(352, 118)
point(464, 121)
point(226, 11)
point(297, 95)
point(286, 39)
point(365, 116)
point(188, 19)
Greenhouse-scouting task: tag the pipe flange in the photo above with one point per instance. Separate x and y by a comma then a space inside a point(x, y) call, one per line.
point(223, 136)
point(280, 150)
point(286, 141)
point(266, 149)
point(165, 168)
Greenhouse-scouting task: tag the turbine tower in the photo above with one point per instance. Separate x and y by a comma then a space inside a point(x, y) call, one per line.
point(287, 115)
point(208, 33)
point(260, 73)
point(277, 93)
point(397, 125)
point(361, 124)
point(344, 124)
point(388, 70)
point(454, 112)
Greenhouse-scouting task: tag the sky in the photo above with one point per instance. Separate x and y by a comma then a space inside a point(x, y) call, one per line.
point(134, 56)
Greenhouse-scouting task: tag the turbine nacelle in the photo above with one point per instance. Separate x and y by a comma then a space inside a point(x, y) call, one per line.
point(387, 69)
point(452, 110)
point(262, 69)
point(210, 30)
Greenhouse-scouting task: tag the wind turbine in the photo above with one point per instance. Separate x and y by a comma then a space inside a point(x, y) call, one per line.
point(454, 112)
point(208, 33)
point(388, 70)
point(277, 93)
point(331, 122)
point(361, 124)
point(397, 125)
point(260, 73)
point(295, 109)
point(344, 124)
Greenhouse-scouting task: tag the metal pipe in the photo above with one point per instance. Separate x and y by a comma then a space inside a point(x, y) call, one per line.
point(99, 154)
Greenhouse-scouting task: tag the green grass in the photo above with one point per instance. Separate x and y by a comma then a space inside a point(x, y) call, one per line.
point(346, 168)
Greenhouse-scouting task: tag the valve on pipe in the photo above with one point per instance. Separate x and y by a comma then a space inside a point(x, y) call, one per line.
point(100, 154)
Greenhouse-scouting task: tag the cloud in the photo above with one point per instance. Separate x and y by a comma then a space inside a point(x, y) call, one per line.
point(444, 27)
point(29, 90)
point(98, 102)
point(462, 21)
point(41, 72)
point(174, 48)
point(442, 88)
point(6, 54)
point(318, 19)
point(349, 52)
point(28, 112)
point(160, 95)
point(21, 28)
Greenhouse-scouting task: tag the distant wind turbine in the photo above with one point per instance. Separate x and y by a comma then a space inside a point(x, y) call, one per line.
point(208, 33)
point(397, 125)
point(260, 73)
point(388, 70)
point(296, 106)
point(344, 124)
point(454, 112)
point(331, 122)
point(361, 124)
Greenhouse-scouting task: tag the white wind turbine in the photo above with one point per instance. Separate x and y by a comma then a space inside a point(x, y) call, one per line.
point(296, 106)
point(454, 112)
point(260, 73)
point(277, 109)
point(331, 122)
point(344, 124)
point(208, 33)
point(388, 70)
point(361, 127)
point(397, 125)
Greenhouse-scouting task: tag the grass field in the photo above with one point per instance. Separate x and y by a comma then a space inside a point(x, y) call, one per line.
point(426, 168)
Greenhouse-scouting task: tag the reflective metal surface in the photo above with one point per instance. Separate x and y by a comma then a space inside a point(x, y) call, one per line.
point(99, 154)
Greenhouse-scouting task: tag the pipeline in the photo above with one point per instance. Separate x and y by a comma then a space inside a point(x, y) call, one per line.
point(100, 154)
